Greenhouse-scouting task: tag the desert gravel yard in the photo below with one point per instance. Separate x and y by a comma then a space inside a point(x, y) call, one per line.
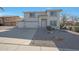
point(14, 39)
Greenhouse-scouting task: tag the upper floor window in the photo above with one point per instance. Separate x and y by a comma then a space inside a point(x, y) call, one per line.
point(53, 14)
point(32, 14)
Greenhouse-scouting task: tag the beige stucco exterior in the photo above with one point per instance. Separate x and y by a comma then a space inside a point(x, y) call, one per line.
point(36, 21)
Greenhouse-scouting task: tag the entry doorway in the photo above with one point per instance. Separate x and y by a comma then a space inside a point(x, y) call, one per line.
point(43, 23)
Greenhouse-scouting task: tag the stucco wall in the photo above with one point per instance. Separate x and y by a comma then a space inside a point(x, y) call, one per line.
point(28, 18)
point(35, 22)
point(56, 18)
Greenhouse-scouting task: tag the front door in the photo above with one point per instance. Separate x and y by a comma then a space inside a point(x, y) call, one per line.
point(43, 23)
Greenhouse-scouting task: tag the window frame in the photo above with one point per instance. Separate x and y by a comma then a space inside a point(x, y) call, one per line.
point(32, 15)
point(53, 22)
point(53, 13)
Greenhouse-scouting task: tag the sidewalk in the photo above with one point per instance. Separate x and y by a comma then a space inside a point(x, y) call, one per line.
point(11, 47)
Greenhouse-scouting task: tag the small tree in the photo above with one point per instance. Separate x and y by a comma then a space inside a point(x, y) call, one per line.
point(63, 23)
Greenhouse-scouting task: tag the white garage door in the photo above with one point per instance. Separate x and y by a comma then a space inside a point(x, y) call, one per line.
point(20, 24)
point(31, 24)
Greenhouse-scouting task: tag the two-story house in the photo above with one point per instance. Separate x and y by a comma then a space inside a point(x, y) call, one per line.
point(41, 19)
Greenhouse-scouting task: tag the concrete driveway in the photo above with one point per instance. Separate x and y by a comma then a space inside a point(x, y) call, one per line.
point(14, 35)
point(15, 39)
point(60, 39)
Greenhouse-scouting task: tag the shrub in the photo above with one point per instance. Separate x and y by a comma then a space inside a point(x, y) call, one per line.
point(61, 26)
point(77, 24)
point(76, 28)
point(53, 28)
point(49, 28)
point(69, 28)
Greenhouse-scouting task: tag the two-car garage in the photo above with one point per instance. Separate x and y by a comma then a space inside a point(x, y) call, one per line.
point(28, 24)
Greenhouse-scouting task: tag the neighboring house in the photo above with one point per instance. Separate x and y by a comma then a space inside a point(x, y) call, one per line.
point(9, 20)
point(69, 23)
point(40, 19)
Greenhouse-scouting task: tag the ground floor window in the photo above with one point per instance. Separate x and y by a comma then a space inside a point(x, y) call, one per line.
point(53, 23)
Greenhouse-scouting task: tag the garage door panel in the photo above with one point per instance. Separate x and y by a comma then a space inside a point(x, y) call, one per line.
point(31, 25)
point(20, 24)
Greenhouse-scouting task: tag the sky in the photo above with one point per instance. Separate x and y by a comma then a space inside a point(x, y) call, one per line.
point(18, 11)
